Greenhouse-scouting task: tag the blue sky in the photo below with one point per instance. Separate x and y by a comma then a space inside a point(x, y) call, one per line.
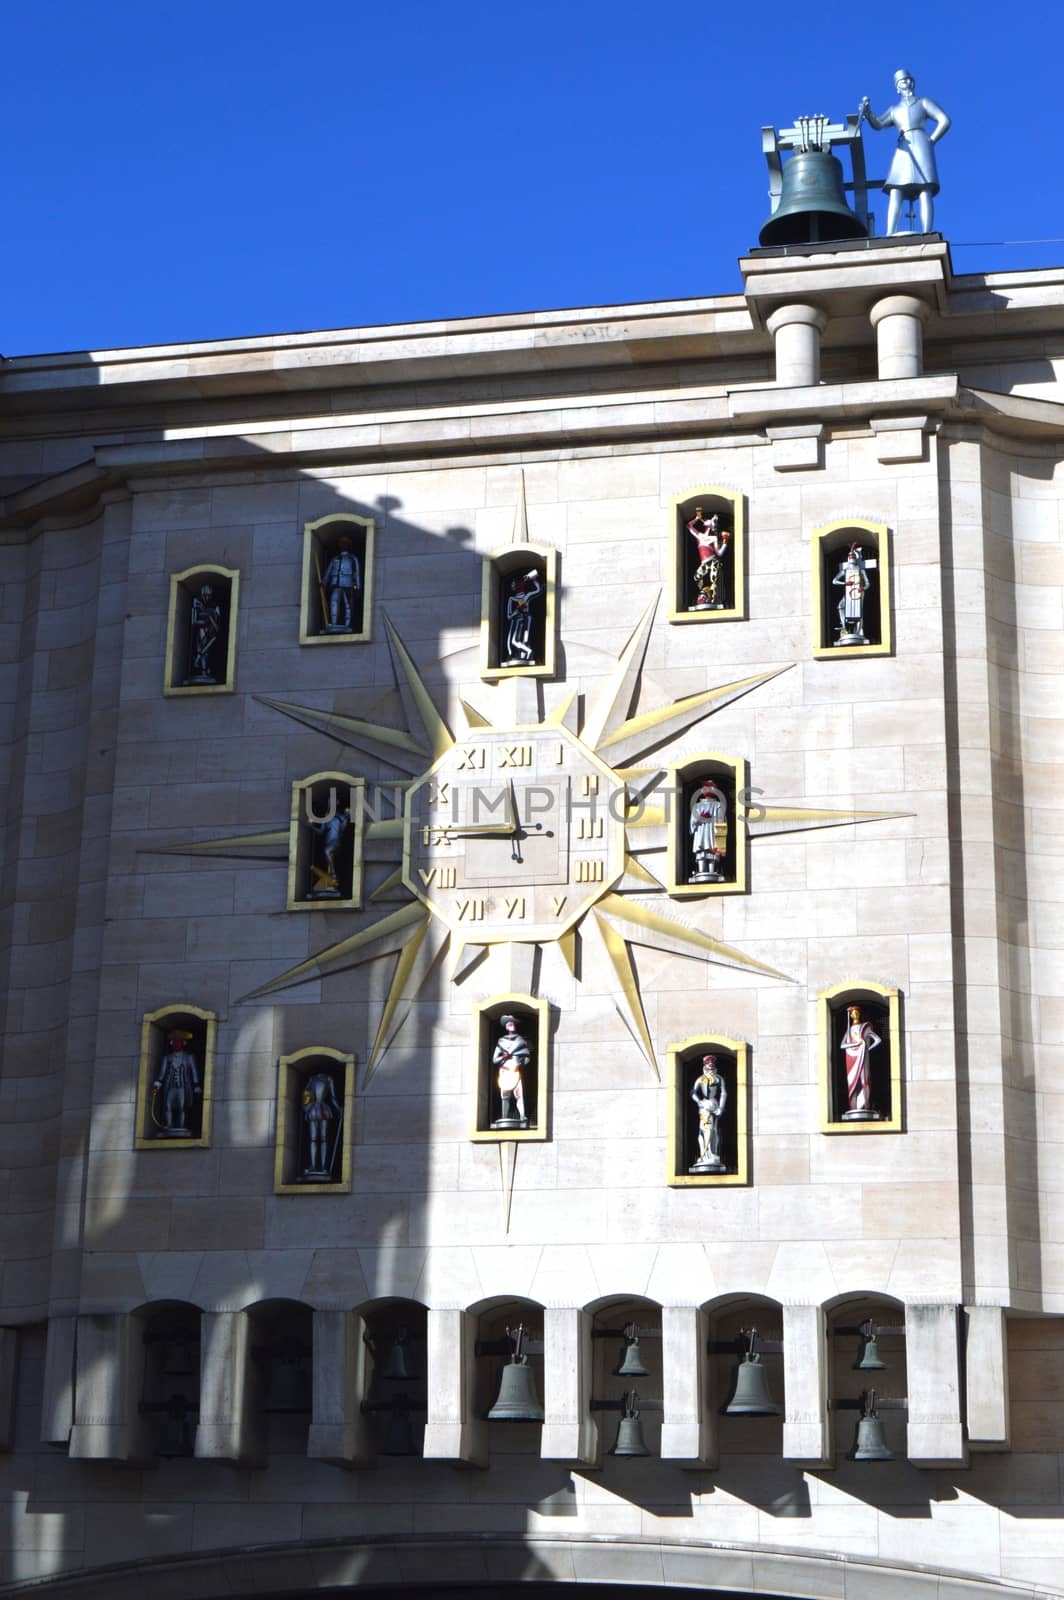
point(193, 171)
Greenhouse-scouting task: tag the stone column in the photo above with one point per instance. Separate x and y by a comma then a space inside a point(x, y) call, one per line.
point(106, 1388)
point(57, 1403)
point(338, 1429)
point(688, 1431)
point(986, 1369)
point(932, 1358)
point(227, 1429)
point(796, 330)
point(806, 1429)
point(899, 324)
point(451, 1431)
point(8, 1382)
point(569, 1431)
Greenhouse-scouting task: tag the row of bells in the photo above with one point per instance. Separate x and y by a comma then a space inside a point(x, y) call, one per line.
point(518, 1402)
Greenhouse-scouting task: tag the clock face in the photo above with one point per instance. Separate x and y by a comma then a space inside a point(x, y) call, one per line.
point(514, 833)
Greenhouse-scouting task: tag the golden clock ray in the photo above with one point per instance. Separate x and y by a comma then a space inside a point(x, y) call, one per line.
point(640, 734)
point(374, 738)
point(614, 700)
point(400, 921)
point(665, 933)
point(440, 736)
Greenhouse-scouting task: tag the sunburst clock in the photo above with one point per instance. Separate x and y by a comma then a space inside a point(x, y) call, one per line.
point(528, 831)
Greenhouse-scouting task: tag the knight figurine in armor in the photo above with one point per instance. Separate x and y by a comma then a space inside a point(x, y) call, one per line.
point(712, 542)
point(205, 626)
point(912, 174)
point(523, 591)
point(708, 823)
point(709, 1093)
point(321, 1109)
point(176, 1088)
point(330, 834)
point(512, 1057)
point(340, 583)
point(852, 577)
point(858, 1041)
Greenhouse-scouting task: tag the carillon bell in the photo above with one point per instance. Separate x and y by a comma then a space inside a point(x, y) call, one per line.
point(632, 1362)
point(868, 1359)
point(518, 1400)
point(752, 1397)
point(395, 1363)
point(630, 1441)
point(177, 1359)
point(871, 1445)
point(812, 206)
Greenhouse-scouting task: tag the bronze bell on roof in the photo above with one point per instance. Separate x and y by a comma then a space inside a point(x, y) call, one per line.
point(630, 1441)
point(632, 1362)
point(812, 207)
point(871, 1444)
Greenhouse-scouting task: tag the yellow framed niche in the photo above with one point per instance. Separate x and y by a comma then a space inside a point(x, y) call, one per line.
point(709, 1123)
point(511, 1041)
point(315, 1117)
point(707, 555)
point(859, 1025)
point(201, 625)
point(325, 834)
point(851, 590)
point(336, 599)
point(518, 612)
point(706, 842)
point(175, 1079)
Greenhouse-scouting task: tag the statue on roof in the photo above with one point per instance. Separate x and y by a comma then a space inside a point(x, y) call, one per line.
point(913, 175)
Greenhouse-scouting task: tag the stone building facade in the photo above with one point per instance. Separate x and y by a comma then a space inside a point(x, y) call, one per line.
point(224, 1371)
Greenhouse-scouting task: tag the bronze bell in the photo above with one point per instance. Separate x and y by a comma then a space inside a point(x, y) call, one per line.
point(395, 1364)
point(630, 1441)
point(871, 1445)
point(812, 206)
point(517, 1400)
point(632, 1362)
point(868, 1360)
point(752, 1397)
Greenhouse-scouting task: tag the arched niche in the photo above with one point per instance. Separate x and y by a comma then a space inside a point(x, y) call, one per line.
point(395, 1390)
point(325, 855)
point(315, 1118)
point(281, 1373)
point(201, 629)
point(706, 847)
point(708, 1095)
point(336, 605)
point(512, 1083)
point(747, 1332)
point(707, 558)
point(626, 1337)
point(175, 1078)
point(168, 1392)
point(864, 1330)
point(851, 590)
point(860, 1032)
point(510, 1336)
point(518, 620)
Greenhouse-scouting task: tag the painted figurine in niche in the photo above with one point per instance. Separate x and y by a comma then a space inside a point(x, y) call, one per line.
point(511, 1059)
point(330, 835)
point(205, 627)
point(708, 825)
point(852, 578)
point(858, 1042)
point(709, 1093)
point(519, 614)
point(321, 1109)
point(176, 1088)
point(339, 584)
point(712, 542)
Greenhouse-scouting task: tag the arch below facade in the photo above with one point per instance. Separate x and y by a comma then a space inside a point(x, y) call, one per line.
point(472, 1566)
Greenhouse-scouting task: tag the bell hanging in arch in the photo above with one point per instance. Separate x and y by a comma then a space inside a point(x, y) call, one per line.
point(395, 1364)
point(752, 1397)
point(517, 1399)
point(871, 1444)
point(632, 1362)
point(630, 1441)
point(812, 206)
point(868, 1359)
